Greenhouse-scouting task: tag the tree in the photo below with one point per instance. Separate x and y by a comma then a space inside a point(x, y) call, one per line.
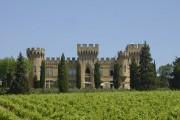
point(7, 70)
point(62, 75)
point(78, 75)
point(165, 72)
point(36, 82)
point(175, 81)
point(134, 75)
point(9, 78)
point(42, 75)
point(116, 76)
point(97, 76)
point(147, 73)
point(29, 66)
point(20, 83)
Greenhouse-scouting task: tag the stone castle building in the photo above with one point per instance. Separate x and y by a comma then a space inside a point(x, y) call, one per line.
point(87, 57)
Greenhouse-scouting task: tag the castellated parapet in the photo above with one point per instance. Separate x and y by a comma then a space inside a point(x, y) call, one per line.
point(107, 60)
point(35, 52)
point(87, 51)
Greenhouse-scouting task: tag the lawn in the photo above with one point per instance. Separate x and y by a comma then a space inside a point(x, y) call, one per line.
point(123, 105)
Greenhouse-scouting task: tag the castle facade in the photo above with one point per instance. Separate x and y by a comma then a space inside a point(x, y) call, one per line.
point(87, 57)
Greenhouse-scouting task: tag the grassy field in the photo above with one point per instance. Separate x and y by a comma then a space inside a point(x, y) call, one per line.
point(125, 105)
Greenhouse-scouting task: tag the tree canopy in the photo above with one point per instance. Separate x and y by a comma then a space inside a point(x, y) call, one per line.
point(97, 75)
point(147, 70)
point(62, 75)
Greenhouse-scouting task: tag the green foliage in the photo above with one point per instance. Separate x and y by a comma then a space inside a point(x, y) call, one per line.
point(175, 81)
point(165, 72)
point(97, 76)
point(20, 83)
point(134, 79)
point(78, 75)
point(116, 76)
point(43, 73)
point(36, 82)
point(7, 70)
point(29, 68)
point(92, 106)
point(62, 75)
point(147, 70)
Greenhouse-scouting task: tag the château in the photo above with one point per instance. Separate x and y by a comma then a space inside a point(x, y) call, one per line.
point(87, 57)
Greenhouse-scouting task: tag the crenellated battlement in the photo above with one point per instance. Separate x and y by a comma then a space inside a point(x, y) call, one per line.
point(57, 59)
point(87, 50)
point(35, 52)
point(87, 45)
point(133, 48)
point(107, 60)
point(71, 60)
point(123, 54)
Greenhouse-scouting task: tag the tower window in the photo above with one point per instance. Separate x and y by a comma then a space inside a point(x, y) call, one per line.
point(111, 72)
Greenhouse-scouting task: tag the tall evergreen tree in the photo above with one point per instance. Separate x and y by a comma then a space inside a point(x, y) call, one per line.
point(20, 83)
point(62, 75)
point(134, 75)
point(97, 76)
point(116, 76)
point(175, 81)
point(42, 75)
point(147, 73)
point(78, 75)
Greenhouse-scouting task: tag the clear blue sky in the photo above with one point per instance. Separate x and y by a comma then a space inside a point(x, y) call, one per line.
point(58, 25)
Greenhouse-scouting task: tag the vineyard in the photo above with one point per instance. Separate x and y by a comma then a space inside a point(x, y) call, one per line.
point(92, 106)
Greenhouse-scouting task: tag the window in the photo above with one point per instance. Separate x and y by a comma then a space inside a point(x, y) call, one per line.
point(111, 72)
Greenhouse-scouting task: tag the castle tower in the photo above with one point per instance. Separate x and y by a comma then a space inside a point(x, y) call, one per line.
point(36, 55)
point(87, 57)
point(125, 58)
point(134, 51)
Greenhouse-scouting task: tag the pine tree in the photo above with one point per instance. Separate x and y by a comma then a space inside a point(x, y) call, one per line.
point(116, 76)
point(175, 81)
point(147, 73)
point(62, 75)
point(78, 75)
point(20, 83)
point(42, 76)
point(134, 75)
point(97, 76)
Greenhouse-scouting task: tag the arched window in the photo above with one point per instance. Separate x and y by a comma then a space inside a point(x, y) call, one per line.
point(88, 71)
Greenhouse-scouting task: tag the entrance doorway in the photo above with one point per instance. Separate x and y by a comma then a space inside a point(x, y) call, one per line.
point(88, 78)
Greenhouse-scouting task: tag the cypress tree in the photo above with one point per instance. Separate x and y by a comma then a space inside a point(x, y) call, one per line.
point(116, 76)
point(36, 82)
point(175, 81)
point(62, 75)
point(20, 83)
point(97, 76)
point(147, 73)
point(78, 75)
point(134, 75)
point(42, 75)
